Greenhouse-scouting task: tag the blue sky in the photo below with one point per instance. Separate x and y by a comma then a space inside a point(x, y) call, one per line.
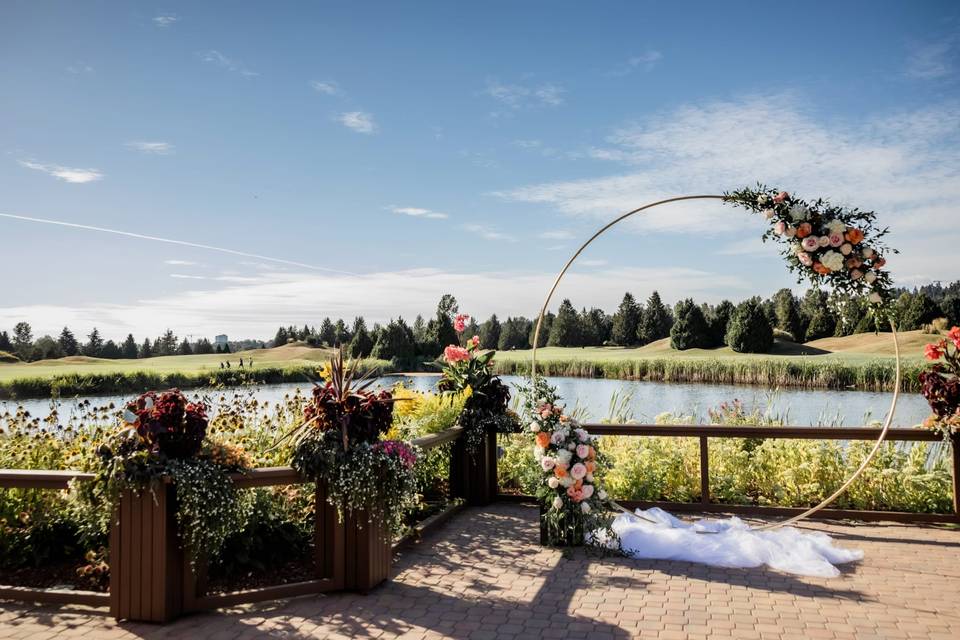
point(397, 151)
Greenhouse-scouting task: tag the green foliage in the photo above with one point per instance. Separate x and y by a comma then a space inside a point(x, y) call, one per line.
point(395, 343)
point(749, 330)
point(565, 331)
point(656, 321)
point(690, 329)
point(68, 343)
point(822, 325)
point(361, 344)
point(626, 322)
point(489, 333)
point(545, 329)
point(514, 334)
point(787, 313)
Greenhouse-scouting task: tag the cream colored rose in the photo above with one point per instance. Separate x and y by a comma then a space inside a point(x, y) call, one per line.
point(832, 260)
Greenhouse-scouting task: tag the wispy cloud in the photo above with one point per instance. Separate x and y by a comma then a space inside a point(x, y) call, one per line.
point(180, 263)
point(79, 68)
point(417, 212)
point(184, 276)
point(359, 121)
point(217, 59)
point(905, 165)
point(164, 21)
point(155, 148)
point(593, 263)
point(328, 87)
point(644, 62)
point(557, 234)
point(67, 174)
point(488, 233)
point(932, 60)
point(519, 96)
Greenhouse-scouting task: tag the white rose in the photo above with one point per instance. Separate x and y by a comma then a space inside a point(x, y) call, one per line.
point(585, 507)
point(553, 483)
point(868, 253)
point(870, 277)
point(835, 226)
point(564, 456)
point(558, 503)
point(798, 213)
point(832, 260)
point(875, 298)
point(763, 199)
point(768, 213)
point(823, 241)
point(571, 446)
point(566, 481)
point(588, 477)
point(535, 427)
point(602, 494)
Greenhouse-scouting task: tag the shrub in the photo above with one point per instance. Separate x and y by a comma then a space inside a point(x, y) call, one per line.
point(750, 330)
point(689, 330)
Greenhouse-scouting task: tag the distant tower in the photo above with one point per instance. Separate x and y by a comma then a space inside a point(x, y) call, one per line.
point(220, 341)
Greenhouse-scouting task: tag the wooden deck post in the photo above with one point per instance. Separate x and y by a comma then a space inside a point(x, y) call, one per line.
point(704, 471)
point(480, 467)
point(367, 551)
point(955, 445)
point(146, 559)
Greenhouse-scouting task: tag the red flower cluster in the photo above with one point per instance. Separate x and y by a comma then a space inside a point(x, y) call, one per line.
point(365, 415)
point(940, 384)
point(169, 424)
point(398, 450)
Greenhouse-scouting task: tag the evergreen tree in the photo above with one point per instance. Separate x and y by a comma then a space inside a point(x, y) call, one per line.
point(656, 321)
point(440, 329)
point(490, 333)
point(421, 334)
point(690, 329)
point(361, 345)
point(46, 348)
point(23, 340)
point(514, 334)
point(68, 343)
point(94, 344)
point(304, 334)
point(226, 348)
point(5, 344)
point(787, 312)
point(328, 334)
point(851, 312)
point(545, 329)
point(340, 334)
point(281, 337)
point(158, 347)
point(822, 325)
point(626, 322)
point(595, 326)
point(472, 329)
point(566, 330)
point(203, 347)
point(815, 301)
point(750, 330)
point(718, 320)
point(110, 350)
point(922, 310)
point(146, 350)
point(395, 342)
point(950, 306)
point(129, 348)
point(184, 349)
point(168, 344)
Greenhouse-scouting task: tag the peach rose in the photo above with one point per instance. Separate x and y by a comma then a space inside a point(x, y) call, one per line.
point(804, 230)
point(543, 439)
point(854, 236)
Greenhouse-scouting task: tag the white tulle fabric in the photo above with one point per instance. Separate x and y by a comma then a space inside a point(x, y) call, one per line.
point(732, 544)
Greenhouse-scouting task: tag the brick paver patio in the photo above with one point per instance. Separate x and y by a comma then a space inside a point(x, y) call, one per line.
point(483, 576)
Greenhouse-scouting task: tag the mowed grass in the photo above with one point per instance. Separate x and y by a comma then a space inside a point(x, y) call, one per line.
point(280, 357)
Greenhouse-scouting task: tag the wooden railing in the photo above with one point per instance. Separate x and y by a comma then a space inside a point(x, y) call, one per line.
point(127, 598)
point(705, 432)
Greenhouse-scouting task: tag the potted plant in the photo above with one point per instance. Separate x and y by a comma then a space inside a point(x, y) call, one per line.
point(368, 481)
point(940, 384)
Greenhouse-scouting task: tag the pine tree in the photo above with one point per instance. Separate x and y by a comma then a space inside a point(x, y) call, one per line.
point(718, 320)
point(5, 344)
point(129, 348)
point(750, 330)
point(395, 342)
point(490, 333)
point(340, 334)
point(440, 329)
point(110, 350)
point(514, 334)
point(787, 312)
point(566, 330)
point(23, 340)
point(184, 349)
point(626, 322)
point(595, 326)
point(146, 351)
point(68, 343)
point(361, 345)
point(545, 328)
point(203, 347)
point(281, 338)
point(656, 321)
point(950, 306)
point(94, 344)
point(922, 310)
point(689, 330)
point(168, 344)
point(421, 335)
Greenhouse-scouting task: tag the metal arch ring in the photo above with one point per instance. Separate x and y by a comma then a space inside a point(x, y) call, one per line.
point(896, 348)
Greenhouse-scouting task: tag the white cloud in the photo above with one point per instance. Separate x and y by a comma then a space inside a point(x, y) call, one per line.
point(488, 234)
point(217, 59)
point(903, 165)
point(281, 297)
point(79, 68)
point(518, 96)
point(156, 148)
point(932, 60)
point(67, 174)
point(643, 62)
point(180, 263)
point(557, 234)
point(328, 87)
point(359, 121)
point(164, 21)
point(183, 276)
point(417, 212)
point(592, 263)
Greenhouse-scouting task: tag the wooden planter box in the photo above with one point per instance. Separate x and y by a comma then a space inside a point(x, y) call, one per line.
point(147, 577)
point(478, 483)
point(368, 551)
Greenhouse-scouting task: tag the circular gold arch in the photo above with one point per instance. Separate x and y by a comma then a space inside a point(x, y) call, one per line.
point(896, 348)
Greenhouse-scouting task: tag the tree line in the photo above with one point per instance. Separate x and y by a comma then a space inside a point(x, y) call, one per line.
point(749, 326)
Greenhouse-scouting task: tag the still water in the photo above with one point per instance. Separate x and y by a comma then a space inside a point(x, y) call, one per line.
point(642, 401)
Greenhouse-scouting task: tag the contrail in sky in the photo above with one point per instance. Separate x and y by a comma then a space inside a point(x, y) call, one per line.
point(183, 243)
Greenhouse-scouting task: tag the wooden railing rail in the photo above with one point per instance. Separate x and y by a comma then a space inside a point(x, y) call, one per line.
point(706, 431)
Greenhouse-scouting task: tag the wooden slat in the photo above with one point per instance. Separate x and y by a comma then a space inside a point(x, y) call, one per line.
point(34, 479)
point(793, 433)
point(55, 596)
point(266, 476)
point(438, 439)
point(273, 592)
point(704, 470)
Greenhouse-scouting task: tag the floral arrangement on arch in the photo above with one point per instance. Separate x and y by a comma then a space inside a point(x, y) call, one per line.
point(469, 370)
point(940, 384)
point(165, 437)
point(340, 442)
point(826, 244)
point(574, 503)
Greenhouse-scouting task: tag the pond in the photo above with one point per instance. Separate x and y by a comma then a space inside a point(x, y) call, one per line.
point(637, 400)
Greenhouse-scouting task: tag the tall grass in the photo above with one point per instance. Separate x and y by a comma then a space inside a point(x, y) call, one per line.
point(875, 375)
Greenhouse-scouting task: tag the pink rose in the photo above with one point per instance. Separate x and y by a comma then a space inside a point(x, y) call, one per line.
point(856, 274)
point(460, 323)
point(836, 239)
point(805, 259)
point(587, 491)
point(779, 228)
point(578, 471)
point(575, 494)
point(453, 353)
point(780, 197)
point(846, 249)
point(810, 243)
point(545, 410)
point(583, 451)
point(547, 463)
point(768, 213)
point(823, 241)
point(790, 231)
